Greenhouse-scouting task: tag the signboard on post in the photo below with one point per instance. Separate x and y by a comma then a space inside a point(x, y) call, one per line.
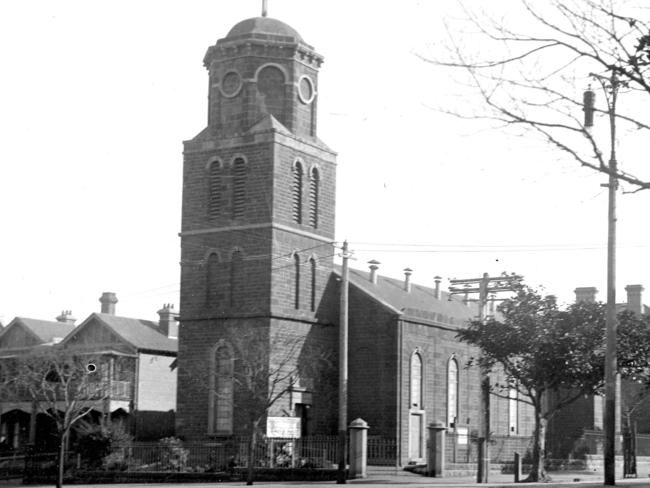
point(283, 427)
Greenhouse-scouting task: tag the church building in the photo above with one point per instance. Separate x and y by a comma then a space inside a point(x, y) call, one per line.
point(257, 247)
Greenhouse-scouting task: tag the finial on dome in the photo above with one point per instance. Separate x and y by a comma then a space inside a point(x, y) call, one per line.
point(264, 8)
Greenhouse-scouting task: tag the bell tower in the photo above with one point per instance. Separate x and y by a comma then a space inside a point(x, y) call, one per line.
point(258, 204)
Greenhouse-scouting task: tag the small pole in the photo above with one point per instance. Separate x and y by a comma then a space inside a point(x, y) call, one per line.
point(343, 367)
point(264, 8)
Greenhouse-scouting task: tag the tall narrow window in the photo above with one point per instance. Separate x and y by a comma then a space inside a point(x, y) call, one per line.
point(214, 201)
point(212, 277)
point(222, 392)
point(513, 411)
point(452, 392)
point(296, 193)
point(296, 291)
point(238, 188)
point(235, 277)
point(314, 183)
point(416, 382)
point(312, 294)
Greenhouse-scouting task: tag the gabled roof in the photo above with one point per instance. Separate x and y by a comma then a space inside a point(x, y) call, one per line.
point(141, 334)
point(44, 331)
point(419, 302)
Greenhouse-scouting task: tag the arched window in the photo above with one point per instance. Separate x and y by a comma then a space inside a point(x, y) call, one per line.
point(296, 291)
point(296, 192)
point(212, 279)
point(235, 277)
point(271, 91)
point(238, 188)
point(513, 411)
point(452, 392)
point(220, 420)
point(314, 183)
point(215, 195)
point(312, 294)
point(416, 382)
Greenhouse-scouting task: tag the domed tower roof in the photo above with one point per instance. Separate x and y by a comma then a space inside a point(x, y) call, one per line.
point(261, 27)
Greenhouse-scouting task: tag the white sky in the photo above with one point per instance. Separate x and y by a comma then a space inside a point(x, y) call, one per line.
point(96, 98)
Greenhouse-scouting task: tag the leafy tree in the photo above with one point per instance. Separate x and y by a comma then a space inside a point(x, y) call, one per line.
point(549, 353)
point(63, 384)
point(528, 75)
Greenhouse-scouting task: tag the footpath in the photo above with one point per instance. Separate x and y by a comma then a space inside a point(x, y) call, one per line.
point(386, 477)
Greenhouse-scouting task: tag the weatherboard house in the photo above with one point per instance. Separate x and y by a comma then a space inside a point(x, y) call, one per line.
point(135, 367)
point(257, 247)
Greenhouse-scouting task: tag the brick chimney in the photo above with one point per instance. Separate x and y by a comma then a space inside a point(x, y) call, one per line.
point(436, 291)
point(374, 266)
point(635, 298)
point(66, 317)
point(168, 322)
point(407, 279)
point(108, 301)
point(586, 294)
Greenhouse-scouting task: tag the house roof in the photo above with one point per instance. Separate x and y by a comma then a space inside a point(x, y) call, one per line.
point(142, 334)
point(419, 302)
point(44, 330)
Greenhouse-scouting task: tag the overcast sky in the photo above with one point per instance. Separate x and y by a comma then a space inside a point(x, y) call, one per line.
point(97, 97)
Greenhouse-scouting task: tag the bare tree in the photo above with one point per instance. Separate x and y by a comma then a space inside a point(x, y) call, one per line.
point(530, 77)
point(64, 385)
point(258, 370)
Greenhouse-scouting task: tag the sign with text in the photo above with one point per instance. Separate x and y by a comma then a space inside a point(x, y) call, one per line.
point(283, 427)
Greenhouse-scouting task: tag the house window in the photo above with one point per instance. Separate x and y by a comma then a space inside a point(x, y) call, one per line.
point(296, 291)
point(212, 278)
point(513, 412)
point(222, 391)
point(416, 382)
point(296, 192)
point(314, 183)
point(452, 392)
point(214, 201)
point(312, 295)
point(238, 188)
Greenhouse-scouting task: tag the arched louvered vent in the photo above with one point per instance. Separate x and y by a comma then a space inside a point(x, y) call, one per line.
point(214, 202)
point(238, 188)
point(314, 188)
point(297, 193)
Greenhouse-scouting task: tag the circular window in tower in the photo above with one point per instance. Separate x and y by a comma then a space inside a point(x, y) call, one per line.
point(306, 91)
point(230, 84)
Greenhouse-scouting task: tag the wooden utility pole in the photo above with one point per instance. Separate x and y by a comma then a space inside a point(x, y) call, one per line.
point(485, 287)
point(343, 367)
point(610, 87)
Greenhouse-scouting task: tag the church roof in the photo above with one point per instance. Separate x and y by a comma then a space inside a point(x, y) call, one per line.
point(260, 27)
point(419, 302)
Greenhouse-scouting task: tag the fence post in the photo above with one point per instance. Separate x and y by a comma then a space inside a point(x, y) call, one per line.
point(358, 448)
point(436, 449)
point(517, 467)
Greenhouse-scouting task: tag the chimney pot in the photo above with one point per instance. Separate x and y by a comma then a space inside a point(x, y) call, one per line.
point(586, 294)
point(437, 293)
point(635, 298)
point(374, 266)
point(407, 279)
point(66, 317)
point(168, 322)
point(108, 301)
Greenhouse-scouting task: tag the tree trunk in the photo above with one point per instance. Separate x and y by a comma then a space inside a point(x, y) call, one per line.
point(61, 467)
point(251, 454)
point(538, 471)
